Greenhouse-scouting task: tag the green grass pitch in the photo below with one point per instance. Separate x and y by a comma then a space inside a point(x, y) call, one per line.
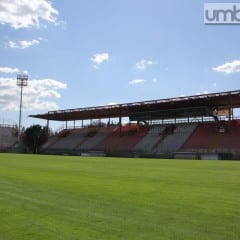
point(61, 197)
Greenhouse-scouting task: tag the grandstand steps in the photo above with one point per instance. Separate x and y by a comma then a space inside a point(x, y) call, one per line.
point(8, 138)
point(108, 142)
point(150, 139)
point(51, 141)
point(12, 148)
point(80, 143)
point(69, 139)
point(92, 142)
point(202, 137)
point(155, 140)
point(231, 139)
point(159, 141)
point(122, 139)
point(15, 144)
point(218, 138)
point(112, 142)
point(126, 142)
point(175, 140)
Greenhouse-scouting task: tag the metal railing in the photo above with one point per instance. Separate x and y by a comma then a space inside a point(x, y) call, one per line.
point(3, 125)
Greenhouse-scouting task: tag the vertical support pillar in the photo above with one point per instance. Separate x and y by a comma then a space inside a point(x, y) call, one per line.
point(20, 116)
point(48, 130)
point(66, 124)
point(230, 112)
point(230, 117)
point(120, 125)
point(82, 123)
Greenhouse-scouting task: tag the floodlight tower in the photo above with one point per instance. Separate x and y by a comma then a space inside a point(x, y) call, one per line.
point(22, 81)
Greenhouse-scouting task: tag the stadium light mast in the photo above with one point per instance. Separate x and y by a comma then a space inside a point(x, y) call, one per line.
point(22, 81)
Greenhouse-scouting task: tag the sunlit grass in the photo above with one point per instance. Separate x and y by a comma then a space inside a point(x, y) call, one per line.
point(60, 197)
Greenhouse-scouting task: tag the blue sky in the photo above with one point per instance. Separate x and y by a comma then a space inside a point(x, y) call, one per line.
point(85, 53)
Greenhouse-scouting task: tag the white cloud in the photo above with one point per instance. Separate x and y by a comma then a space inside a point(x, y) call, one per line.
point(112, 103)
point(38, 95)
point(8, 70)
point(199, 93)
point(24, 43)
point(154, 80)
point(25, 14)
point(99, 58)
point(229, 67)
point(137, 81)
point(143, 64)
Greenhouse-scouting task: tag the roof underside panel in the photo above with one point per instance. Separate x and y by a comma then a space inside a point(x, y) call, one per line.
point(171, 113)
point(192, 106)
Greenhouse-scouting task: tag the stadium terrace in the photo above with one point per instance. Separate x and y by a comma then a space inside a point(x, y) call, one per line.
point(196, 127)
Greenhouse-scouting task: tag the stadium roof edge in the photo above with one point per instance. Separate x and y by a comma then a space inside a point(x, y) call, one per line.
point(230, 99)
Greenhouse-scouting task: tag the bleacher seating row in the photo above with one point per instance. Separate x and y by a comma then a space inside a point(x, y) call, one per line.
point(156, 139)
point(208, 137)
point(8, 138)
point(143, 139)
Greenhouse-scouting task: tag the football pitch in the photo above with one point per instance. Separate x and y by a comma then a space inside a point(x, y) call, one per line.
point(63, 197)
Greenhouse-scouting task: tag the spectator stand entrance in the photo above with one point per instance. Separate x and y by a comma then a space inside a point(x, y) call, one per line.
point(180, 124)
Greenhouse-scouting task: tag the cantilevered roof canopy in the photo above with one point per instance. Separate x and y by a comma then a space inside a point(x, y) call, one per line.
point(191, 106)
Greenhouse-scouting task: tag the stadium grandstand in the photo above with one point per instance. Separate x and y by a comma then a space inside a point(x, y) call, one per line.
point(8, 137)
point(199, 127)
